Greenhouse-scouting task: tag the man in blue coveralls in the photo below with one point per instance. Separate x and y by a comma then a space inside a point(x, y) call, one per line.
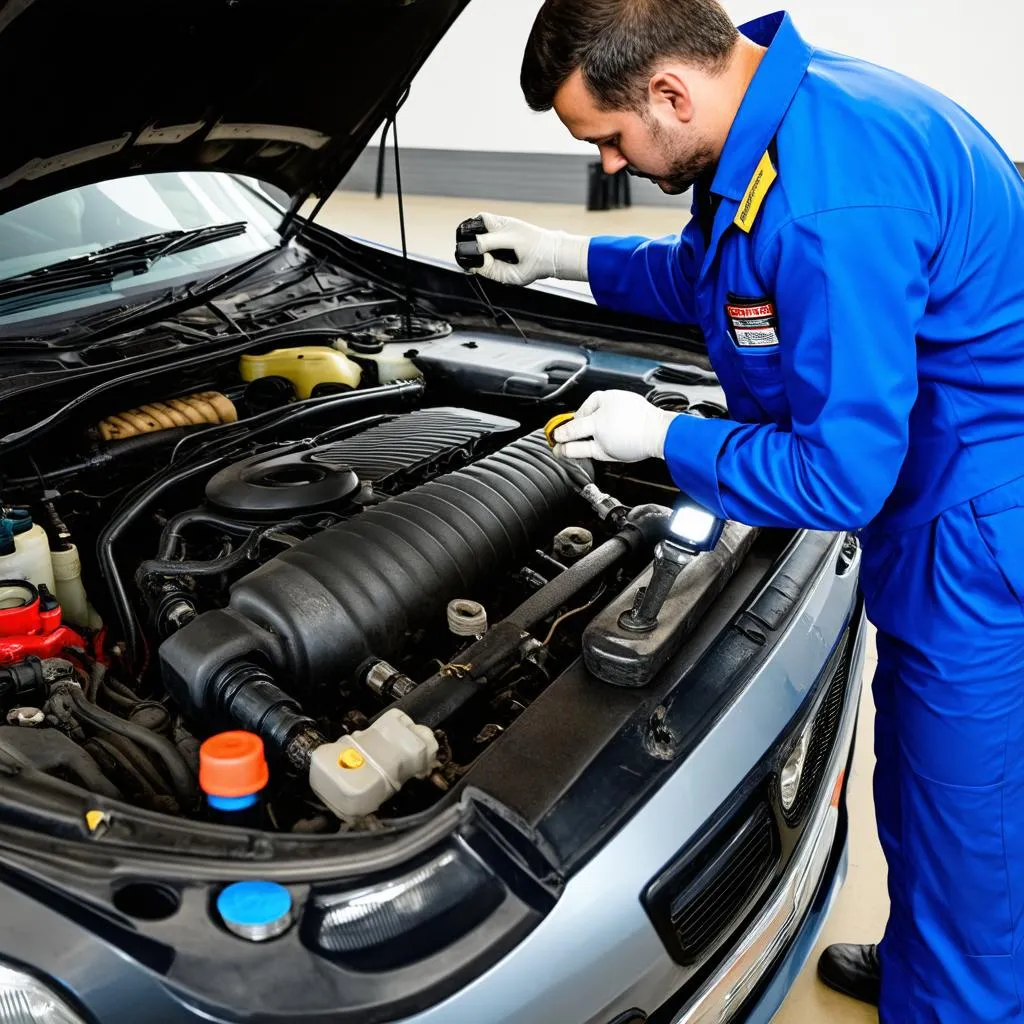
point(856, 262)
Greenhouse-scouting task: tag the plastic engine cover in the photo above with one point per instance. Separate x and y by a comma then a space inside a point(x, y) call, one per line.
point(320, 609)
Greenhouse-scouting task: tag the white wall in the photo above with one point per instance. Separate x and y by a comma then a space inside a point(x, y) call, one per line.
point(467, 96)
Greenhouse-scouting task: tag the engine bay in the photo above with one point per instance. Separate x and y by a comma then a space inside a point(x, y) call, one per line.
point(355, 545)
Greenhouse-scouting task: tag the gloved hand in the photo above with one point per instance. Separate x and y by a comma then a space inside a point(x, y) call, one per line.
point(541, 253)
point(615, 426)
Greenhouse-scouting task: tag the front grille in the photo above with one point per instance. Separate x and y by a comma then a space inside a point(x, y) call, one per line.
point(703, 901)
point(823, 735)
point(727, 887)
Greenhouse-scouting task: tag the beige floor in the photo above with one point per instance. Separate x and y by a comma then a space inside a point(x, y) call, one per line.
point(860, 912)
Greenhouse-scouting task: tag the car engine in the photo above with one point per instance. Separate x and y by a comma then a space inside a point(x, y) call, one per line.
point(374, 579)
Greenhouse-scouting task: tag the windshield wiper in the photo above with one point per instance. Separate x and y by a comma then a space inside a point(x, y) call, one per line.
point(132, 257)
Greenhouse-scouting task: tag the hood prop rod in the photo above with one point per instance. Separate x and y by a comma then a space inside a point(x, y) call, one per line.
point(392, 125)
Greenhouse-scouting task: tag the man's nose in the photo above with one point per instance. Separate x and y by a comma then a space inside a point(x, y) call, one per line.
point(612, 160)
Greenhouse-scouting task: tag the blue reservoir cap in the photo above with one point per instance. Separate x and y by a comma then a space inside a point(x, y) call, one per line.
point(256, 911)
point(21, 520)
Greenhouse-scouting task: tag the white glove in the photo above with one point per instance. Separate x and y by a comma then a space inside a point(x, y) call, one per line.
point(541, 253)
point(615, 426)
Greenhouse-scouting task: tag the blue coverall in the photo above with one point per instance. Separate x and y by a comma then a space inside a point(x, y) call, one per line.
point(857, 267)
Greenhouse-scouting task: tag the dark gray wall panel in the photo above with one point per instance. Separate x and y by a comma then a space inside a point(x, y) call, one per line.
point(530, 177)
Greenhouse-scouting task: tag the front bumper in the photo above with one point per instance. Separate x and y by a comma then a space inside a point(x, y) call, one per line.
point(758, 973)
point(596, 954)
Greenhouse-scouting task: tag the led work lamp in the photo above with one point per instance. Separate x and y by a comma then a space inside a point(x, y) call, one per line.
point(692, 531)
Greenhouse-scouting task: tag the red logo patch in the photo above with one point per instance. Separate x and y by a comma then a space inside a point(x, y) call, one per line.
point(754, 323)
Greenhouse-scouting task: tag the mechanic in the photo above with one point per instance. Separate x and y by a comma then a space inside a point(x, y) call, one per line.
point(856, 263)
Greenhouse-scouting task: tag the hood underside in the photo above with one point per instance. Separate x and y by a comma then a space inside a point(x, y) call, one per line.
point(288, 93)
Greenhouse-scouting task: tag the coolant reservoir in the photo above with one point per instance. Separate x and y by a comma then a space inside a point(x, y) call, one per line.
point(25, 551)
point(305, 367)
point(70, 592)
point(389, 360)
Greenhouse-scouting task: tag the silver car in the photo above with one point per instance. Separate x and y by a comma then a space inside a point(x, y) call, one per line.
point(331, 694)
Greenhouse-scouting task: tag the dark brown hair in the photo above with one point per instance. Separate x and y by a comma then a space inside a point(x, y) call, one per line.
point(616, 43)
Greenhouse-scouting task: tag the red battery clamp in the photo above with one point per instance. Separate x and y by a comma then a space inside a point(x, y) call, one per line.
point(31, 623)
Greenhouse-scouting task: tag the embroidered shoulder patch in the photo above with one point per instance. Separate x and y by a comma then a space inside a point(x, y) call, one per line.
point(757, 191)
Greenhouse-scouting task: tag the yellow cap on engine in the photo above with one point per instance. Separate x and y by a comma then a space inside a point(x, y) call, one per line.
point(351, 758)
point(554, 424)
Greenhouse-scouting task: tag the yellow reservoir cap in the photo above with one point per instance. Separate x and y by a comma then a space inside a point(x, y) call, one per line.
point(304, 367)
point(351, 758)
point(554, 424)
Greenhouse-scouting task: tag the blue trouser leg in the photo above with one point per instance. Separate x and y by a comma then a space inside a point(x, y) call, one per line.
point(948, 599)
point(887, 796)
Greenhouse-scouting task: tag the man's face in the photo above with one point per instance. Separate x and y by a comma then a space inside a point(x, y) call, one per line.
point(660, 143)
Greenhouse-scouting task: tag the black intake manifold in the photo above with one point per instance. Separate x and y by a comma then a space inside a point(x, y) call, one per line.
point(314, 614)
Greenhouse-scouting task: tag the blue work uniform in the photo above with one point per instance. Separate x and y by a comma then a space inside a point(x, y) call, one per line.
point(856, 263)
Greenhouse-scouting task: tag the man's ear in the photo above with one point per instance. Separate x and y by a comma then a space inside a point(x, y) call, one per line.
point(667, 89)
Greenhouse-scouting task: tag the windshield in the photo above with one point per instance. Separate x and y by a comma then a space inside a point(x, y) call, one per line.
point(94, 217)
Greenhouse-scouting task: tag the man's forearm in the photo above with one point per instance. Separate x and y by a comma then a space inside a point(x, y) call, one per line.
point(647, 276)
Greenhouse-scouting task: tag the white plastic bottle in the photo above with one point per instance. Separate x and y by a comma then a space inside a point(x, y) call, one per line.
point(390, 358)
point(70, 592)
point(25, 552)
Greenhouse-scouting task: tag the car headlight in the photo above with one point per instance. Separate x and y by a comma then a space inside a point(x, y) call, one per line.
point(26, 1000)
point(793, 770)
point(406, 916)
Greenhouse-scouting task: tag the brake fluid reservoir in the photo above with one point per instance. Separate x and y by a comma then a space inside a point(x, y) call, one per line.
point(361, 772)
point(389, 360)
point(25, 551)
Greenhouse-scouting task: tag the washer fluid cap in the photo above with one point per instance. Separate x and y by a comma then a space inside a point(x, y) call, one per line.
point(21, 521)
point(256, 911)
point(7, 545)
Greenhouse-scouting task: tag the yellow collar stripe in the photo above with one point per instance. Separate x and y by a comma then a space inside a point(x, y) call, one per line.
point(757, 191)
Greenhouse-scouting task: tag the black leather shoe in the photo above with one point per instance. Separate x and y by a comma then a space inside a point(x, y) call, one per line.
point(853, 970)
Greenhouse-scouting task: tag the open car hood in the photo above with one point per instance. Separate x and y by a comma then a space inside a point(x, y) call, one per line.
point(286, 91)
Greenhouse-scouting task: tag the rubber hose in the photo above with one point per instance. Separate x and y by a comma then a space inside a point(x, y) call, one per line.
point(434, 701)
point(110, 452)
point(133, 753)
point(214, 566)
point(152, 715)
point(546, 601)
point(441, 696)
point(47, 749)
point(115, 698)
point(116, 692)
point(103, 747)
point(171, 537)
point(118, 687)
point(181, 778)
point(96, 677)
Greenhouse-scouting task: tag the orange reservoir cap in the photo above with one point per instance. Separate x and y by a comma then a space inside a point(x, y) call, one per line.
point(232, 767)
